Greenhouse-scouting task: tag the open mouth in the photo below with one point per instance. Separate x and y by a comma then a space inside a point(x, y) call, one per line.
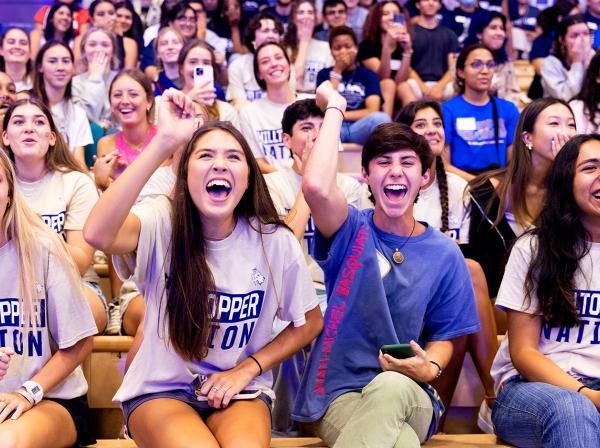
point(395, 191)
point(218, 189)
point(596, 194)
point(126, 111)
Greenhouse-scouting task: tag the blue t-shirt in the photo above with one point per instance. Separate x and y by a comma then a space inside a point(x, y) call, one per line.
point(470, 132)
point(373, 301)
point(594, 25)
point(355, 86)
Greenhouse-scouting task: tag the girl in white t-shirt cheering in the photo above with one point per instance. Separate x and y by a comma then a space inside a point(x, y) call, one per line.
point(215, 265)
point(46, 326)
point(548, 377)
point(54, 186)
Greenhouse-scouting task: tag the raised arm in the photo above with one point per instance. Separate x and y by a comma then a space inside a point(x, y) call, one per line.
point(325, 199)
point(110, 226)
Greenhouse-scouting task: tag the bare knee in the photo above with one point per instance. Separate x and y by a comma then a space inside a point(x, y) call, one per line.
point(9, 436)
point(134, 315)
point(97, 307)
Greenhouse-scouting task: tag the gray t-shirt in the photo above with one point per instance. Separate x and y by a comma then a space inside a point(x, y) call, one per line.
point(63, 318)
point(257, 278)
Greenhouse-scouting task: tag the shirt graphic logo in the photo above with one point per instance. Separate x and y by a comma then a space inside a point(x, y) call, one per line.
point(257, 277)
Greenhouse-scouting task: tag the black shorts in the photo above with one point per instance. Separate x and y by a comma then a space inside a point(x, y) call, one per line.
point(78, 410)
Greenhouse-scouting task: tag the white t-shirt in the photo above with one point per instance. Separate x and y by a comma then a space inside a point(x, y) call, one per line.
point(64, 200)
point(584, 125)
point(284, 186)
point(63, 318)
point(575, 350)
point(242, 83)
point(161, 183)
point(257, 277)
point(260, 122)
point(429, 209)
point(72, 123)
point(319, 57)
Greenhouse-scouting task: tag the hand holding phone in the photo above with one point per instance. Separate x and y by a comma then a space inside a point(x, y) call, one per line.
point(203, 75)
point(398, 351)
point(399, 19)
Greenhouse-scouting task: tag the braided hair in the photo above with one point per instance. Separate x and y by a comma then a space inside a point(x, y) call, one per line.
point(407, 116)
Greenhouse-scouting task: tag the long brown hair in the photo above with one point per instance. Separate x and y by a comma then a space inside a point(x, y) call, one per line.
point(29, 235)
point(58, 157)
point(290, 39)
point(517, 174)
point(190, 283)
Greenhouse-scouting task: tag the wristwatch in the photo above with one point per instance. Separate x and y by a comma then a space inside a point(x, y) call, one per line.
point(35, 390)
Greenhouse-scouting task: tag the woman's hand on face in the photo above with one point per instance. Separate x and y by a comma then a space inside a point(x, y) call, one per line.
point(5, 357)
point(417, 367)
point(178, 118)
point(98, 65)
point(220, 387)
point(558, 141)
point(305, 29)
point(13, 403)
point(403, 38)
point(204, 94)
point(104, 169)
point(234, 16)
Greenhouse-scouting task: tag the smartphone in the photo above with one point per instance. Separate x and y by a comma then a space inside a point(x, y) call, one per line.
point(399, 19)
point(203, 74)
point(243, 395)
point(399, 351)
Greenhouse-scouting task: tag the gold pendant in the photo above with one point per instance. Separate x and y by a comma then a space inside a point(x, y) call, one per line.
point(398, 257)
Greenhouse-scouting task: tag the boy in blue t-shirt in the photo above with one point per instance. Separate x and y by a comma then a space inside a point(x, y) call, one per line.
point(357, 84)
point(390, 279)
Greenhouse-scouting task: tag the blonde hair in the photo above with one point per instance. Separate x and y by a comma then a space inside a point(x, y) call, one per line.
point(82, 63)
point(161, 33)
point(29, 235)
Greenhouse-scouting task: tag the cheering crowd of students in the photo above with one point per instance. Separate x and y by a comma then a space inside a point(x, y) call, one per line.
point(194, 146)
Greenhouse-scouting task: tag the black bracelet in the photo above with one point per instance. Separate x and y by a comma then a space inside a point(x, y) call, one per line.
point(439, 368)
point(257, 363)
point(581, 388)
point(338, 109)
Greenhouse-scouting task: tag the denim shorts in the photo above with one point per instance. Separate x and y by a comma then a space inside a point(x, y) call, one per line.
point(98, 290)
point(186, 396)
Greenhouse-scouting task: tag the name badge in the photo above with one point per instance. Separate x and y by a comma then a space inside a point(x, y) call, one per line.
point(466, 124)
point(395, 64)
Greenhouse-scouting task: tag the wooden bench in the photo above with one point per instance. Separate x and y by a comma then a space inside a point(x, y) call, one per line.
point(438, 441)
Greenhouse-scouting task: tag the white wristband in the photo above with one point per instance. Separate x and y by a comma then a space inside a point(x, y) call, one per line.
point(35, 390)
point(26, 395)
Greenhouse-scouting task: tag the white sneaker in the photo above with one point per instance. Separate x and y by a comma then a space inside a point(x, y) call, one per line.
point(484, 420)
point(113, 326)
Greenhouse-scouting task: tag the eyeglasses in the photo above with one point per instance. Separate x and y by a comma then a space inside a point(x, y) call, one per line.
point(333, 12)
point(184, 19)
point(478, 65)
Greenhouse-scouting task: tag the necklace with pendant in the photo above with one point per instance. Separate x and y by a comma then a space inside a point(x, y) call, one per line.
point(398, 256)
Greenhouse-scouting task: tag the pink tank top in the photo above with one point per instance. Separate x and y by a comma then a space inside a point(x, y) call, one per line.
point(128, 153)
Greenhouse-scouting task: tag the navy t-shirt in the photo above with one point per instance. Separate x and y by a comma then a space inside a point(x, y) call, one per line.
point(431, 48)
point(367, 50)
point(594, 25)
point(458, 21)
point(372, 301)
point(470, 132)
point(355, 86)
point(527, 21)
